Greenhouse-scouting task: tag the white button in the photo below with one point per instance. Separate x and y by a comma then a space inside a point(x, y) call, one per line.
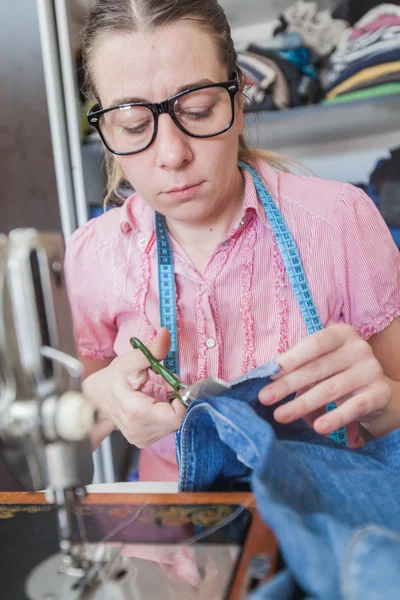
point(203, 288)
point(210, 343)
point(143, 242)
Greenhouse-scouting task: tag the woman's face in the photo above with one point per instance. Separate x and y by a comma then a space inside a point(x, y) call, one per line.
point(155, 66)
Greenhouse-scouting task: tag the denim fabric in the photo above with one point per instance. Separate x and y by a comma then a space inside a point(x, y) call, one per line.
point(204, 463)
point(370, 570)
point(372, 558)
point(314, 494)
point(282, 587)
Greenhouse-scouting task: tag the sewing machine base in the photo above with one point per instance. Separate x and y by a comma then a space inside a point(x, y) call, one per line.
point(178, 546)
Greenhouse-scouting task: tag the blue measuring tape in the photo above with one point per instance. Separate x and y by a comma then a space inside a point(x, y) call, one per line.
point(166, 289)
point(291, 260)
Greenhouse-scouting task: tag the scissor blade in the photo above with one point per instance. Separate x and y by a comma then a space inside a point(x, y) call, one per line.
point(208, 388)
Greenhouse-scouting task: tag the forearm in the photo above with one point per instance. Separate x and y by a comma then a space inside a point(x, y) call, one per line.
point(389, 420)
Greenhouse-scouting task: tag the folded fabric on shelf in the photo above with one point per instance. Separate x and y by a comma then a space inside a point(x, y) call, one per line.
point(277, 86)
point(376, 24)
point(359, 65)
point(386, 89)
point(368, 43)
point(389, 78)
point(295, 83)
point(365, 76)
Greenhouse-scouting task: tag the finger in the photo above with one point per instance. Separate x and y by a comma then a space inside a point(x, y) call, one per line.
point(332, 389)
point(316, 370)
point(147, 420)
point(374, 398)
point(161, 344)
point(313, 346)
point(102, 429)
point(179, 408)
point(171, 412)
point(135, 361)
point(139, 408)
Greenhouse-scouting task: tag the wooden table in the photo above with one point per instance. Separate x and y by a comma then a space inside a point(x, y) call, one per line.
point(259, 540)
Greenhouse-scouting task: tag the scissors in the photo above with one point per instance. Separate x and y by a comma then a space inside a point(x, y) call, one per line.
point(203, 389)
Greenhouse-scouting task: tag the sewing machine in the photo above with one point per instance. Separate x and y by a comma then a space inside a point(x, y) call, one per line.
point(68, 545)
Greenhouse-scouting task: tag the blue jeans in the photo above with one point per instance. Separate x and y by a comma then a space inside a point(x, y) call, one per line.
point(314, 494)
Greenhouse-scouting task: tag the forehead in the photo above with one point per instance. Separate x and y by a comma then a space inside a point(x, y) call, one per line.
point(153, 65)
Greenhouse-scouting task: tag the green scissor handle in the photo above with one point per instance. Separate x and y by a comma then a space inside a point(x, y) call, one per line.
point(158, 368)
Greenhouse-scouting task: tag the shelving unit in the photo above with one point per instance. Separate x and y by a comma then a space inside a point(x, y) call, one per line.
point(320, 123)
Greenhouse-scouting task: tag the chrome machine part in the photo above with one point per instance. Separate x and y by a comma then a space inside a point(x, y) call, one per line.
point(38, 409)
point(44, 420)
point(107, 576)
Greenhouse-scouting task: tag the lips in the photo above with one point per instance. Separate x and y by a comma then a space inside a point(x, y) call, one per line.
point(182, 189)
point(184, 192)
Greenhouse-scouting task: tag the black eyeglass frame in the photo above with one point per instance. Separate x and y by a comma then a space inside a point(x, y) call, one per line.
point(94, 115)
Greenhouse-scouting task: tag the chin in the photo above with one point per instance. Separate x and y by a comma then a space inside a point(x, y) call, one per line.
point(187, 212)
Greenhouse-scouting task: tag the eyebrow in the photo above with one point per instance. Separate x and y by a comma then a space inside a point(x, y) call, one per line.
point(183, 88)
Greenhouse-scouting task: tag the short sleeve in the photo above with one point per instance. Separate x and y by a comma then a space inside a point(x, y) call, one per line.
point(94, 330)
point(366, 263)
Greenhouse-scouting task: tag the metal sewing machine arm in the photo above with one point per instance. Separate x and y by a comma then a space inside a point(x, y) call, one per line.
point(44, 420)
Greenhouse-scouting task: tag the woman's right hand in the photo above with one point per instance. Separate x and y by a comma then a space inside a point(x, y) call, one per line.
point(115, 391)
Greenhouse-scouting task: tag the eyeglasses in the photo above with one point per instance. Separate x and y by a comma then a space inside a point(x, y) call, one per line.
point(202, 112)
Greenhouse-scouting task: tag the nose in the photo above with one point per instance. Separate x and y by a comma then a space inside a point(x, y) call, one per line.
point(172, 145)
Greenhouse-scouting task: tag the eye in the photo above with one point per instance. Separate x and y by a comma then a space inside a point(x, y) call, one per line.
point(128, 129)
point(131, 120)
point(195, 113)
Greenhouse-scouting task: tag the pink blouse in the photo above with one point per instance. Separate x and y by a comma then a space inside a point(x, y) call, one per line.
point(242, 311)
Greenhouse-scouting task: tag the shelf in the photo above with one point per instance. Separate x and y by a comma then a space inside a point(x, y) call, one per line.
point(323, 123)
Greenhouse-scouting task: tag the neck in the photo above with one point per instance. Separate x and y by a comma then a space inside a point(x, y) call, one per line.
point(200, 238)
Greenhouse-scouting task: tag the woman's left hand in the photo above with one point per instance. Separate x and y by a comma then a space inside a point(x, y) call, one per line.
point(344, 369)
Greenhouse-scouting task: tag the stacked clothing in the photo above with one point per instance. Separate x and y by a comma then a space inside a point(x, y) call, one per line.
point(366, 62)
point(279, 75)
point(284, 72)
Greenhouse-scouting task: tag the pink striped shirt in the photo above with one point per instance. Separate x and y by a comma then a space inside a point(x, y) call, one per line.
point(242, 311)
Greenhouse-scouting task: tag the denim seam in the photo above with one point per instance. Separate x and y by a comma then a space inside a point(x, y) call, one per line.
point(184, 444)
point(346, 585)
point(237, 429)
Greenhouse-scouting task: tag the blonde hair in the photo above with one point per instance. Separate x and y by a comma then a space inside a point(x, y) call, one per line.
point(130, 16)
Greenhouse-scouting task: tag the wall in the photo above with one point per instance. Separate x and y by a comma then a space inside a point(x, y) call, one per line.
point(27, 177)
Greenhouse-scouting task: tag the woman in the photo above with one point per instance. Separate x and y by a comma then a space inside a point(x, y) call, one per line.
point(170, 113)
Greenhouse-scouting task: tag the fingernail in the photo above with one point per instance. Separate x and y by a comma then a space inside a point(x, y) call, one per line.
point(276, 376)
point(283, 413)
point(267, 396)
point(277, 370)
